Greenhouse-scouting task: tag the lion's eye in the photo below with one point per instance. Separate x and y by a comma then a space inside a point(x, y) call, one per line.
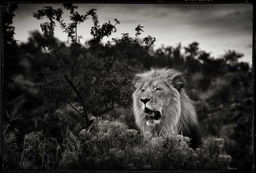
point(158, 89)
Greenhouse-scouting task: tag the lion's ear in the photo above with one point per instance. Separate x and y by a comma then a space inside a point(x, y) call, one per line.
point(178, 82)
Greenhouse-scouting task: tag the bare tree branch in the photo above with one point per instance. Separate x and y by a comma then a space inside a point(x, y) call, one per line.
point(74, 107)
point(79, 97)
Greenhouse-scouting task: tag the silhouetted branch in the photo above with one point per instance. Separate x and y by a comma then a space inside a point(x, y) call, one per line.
point(79, 97)
point(74, 107)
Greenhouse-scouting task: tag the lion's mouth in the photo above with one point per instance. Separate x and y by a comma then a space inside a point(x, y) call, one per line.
point(152, 114)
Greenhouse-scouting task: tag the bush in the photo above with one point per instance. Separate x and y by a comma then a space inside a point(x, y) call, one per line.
point(111, 145)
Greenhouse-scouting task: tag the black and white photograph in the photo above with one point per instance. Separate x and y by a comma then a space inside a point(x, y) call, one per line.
point(118, 86)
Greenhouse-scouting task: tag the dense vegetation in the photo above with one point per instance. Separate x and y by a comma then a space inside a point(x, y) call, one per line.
point(68, 106)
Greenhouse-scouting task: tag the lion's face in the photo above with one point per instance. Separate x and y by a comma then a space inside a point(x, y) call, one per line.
point(156, 103)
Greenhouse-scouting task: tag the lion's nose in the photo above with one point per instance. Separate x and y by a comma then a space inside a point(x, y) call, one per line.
point(144, 100)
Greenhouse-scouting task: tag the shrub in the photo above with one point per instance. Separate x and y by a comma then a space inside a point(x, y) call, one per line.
point(111, 145)
point(39, 151)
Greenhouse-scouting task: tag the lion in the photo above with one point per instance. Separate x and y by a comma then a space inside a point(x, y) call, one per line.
point(162, 107)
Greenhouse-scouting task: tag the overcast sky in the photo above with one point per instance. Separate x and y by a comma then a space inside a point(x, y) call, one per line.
point(217, 28)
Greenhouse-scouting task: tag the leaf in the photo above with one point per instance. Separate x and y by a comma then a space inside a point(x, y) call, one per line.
point(117, 21)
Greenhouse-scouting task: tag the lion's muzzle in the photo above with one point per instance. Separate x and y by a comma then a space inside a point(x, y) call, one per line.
point(152, 111)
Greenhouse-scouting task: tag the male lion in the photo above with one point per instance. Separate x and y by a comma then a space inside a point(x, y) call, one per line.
point(161, 105)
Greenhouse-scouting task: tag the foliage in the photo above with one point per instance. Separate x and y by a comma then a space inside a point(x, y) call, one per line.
point(111, 145)
point(11, 153)
point(55, 90)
